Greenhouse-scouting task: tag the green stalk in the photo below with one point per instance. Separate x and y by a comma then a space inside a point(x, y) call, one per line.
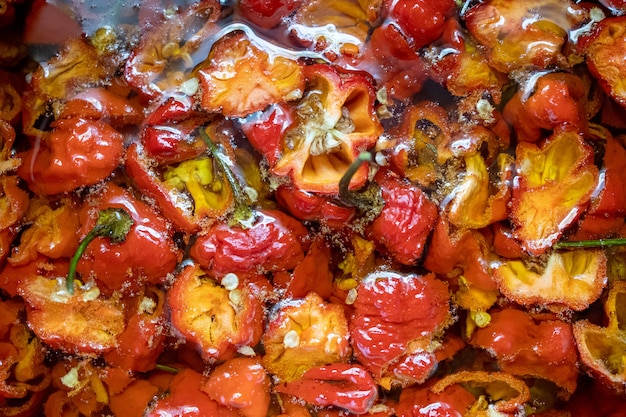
point(368, 201)
point(243, 214)
point(599, 243)
point(114, 223)
point(166, 368)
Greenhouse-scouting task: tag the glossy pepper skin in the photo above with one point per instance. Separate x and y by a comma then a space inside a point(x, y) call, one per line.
point(185, 398)
point(273, 242)
point(349, 387)
point(242, 384)
point(526, 347)
point(77, 153)
point(384, 336)
point(125, 266)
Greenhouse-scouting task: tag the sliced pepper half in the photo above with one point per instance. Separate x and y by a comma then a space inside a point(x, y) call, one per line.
point(334, 122)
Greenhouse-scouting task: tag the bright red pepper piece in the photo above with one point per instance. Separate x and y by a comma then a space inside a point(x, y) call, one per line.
point(342, 385)
point(78, 152)
point(274, 242)
point(241, 384)
point(124, 265)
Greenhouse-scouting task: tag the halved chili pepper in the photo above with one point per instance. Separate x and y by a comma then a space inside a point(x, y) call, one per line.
point(233, 62)
point(82, 322)
point(215, 319)
point(303, 334)
point(334, 122)
point(347, 386)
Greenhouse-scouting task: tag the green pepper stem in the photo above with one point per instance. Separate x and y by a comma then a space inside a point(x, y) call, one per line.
point(166, 368)
point(114, 223)
point(243, 213)
point(599, 243)
point(368, 201)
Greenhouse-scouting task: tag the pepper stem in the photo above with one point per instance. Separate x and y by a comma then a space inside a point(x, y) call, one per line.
point(114, 223)
point(243, 214)
point(599, 243)
point(368, 200)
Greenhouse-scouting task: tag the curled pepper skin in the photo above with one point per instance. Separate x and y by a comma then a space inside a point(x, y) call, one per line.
point(383, 335)
point(334, 122)
point(349, 387)
point(124, 266)
point(605, 49)
point(77, 153)
point(602, 347)
point(99, 103)
point(274, 242)
point(216, 320)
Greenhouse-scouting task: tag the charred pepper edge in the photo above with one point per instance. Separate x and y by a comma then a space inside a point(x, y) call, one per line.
point(114, 223)
point(243, 215)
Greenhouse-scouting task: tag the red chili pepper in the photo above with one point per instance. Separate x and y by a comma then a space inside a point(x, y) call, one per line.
point(265, 129)
point(168, 135)
point(241, 384)
point(382, 333)
point(185, 398)
point(143, 338)
point(556, 98)
point(99, 103)
point(267, 14)
point(431, 15)
point(78, 152)
point(313, 207)
point(124, 265)
point(526, 347)
point(406, 220)
point(342, 385)
point(421, 401)
point(273, 242)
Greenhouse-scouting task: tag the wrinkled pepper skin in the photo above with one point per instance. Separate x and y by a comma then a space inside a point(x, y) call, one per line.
point(382, 334)
point(146, 256)
point(406, 220)
point(274, 242)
